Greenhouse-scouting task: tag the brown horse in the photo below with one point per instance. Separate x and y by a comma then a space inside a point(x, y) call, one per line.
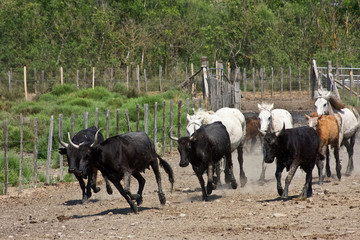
point(252, 133)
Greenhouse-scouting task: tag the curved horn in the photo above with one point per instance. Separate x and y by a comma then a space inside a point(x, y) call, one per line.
point(96, 138)
point(171, 137)
point(71, 143)
point(64, 144)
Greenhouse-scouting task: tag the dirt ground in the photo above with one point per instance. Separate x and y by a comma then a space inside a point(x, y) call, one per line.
point(252, 212)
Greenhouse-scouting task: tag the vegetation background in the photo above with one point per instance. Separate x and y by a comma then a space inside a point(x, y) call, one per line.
point(79, 34)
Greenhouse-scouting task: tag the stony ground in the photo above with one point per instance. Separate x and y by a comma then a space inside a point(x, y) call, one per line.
point(252, 212)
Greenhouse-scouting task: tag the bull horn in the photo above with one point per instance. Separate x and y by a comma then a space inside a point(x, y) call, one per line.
point(171, 137)
point(64, 144)
point(71, 143)
point(96, 138)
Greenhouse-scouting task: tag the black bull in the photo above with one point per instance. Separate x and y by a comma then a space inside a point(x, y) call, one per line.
point(203, 150)
point(121, 156)
point(293, 148)
point(73, 157)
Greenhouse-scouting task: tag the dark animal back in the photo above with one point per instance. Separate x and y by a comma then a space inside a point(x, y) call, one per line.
point(215, 134)
point(87, 136)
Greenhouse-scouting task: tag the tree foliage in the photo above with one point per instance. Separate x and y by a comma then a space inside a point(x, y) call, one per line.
point(104, 33)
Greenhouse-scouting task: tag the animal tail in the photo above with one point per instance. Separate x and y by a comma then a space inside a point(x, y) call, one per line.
point(168, 170)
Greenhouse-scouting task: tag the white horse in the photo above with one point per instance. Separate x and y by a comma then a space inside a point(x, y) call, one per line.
point(235, 124)
point(328, 104)
point(272, 120)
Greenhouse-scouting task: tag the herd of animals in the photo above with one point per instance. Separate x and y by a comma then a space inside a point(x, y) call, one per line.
point(213, 136)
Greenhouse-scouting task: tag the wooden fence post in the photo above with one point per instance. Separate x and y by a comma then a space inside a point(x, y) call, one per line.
point(137, 117)
point(6, 157)
point(35, 81)
point(262, 83)
point(164, 127)
point(146, 118)
point(179, 118)
point(117, 121)
point(61, 76)
point(160, 78)
point(86, 119)
point(171, 120)
point(290, 82)
point(127, 77)
point(282, 82)
point(253, 80)
point(138, 77)
point(48, 162)
point(10, 79)
point(272, 81)
point(107, 124)
point(309, 82)
point(60, 155)
point(93, 77)
point(128, 120)
point(97, 117)
point(77, 79)
point(72, 125)
point(145, 79)
point(155, 123)
point(25, 84)
point(35, 151)
point(21, 151)
point(43, 80)
point(351, 80)
point(300, 80)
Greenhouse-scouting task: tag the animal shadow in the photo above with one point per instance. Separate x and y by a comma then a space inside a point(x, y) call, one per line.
point(121, 211)
point(79, 202)
point(279, 199)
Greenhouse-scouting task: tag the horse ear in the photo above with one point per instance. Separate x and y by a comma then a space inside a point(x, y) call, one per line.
point(259, 106)
point(188, 117)
point(271, 106)
point(307, 117)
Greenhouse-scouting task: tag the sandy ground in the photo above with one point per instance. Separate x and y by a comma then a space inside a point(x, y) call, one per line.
point(252, 212)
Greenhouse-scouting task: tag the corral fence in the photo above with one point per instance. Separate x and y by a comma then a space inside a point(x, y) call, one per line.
point(48, 165)
point(264, 83)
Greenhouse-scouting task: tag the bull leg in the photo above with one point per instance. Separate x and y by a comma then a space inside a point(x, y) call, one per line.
point(123, 193)
point(217, 179)
point(278, 172)
point(288, 179)
point(307, 190)
point(328, 170)
point(243, 178)
point(127, 178)
point(155, 167)
point(108, 186)
point(199, 173)
point(210, 185)
point(350, 150)
point(338, 163)
point(141, 182)
point(92, 181)
point(82, 186)
point(229, 163)
point(263, 169)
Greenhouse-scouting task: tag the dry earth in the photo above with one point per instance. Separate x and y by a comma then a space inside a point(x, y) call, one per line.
point(252, 212)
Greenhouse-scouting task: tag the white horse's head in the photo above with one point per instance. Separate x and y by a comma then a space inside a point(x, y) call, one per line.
point(322, 106)
point(265, 116)
point(265, 120)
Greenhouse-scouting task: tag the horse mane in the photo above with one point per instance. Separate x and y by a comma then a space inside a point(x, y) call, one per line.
point(265, 106)
point(201, 111)
point(336, 103)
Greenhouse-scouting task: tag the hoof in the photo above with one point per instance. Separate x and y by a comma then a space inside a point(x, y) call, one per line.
point(109, 190)
point(243, 181)
point(234, 184)
point(209, 189)
point(139, 200)
point(96, 189)
point(162, 198)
